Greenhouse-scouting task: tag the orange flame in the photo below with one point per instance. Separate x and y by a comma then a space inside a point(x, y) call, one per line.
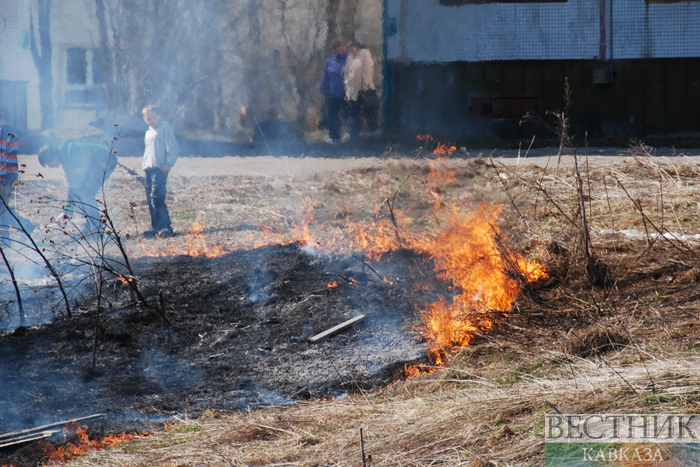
point(441, 149)
point(444, 148)
point(82, 445)
point(468, 250)
point(196, 244)
point(125, 280)
point(471, 253)
point(417, 370)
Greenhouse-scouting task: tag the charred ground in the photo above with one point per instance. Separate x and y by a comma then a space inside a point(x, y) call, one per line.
point(229, 332)
point(222, 333)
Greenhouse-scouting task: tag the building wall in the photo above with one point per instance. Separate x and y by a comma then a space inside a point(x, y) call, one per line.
point(475, 69)
point(431, 32)
point(15, 59)
point(645, 98)
point(73, 24)
point(567, 30)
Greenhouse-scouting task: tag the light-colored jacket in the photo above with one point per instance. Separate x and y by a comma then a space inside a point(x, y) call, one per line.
point(161, 147)
point(358, 74)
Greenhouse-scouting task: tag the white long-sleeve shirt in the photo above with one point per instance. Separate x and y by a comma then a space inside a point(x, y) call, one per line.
point(161, 147)
point(358, 73)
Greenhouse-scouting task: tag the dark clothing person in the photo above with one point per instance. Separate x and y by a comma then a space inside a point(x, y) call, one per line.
point(333, 84)
point(337, 112)
point(87, 167)
point(333, 89)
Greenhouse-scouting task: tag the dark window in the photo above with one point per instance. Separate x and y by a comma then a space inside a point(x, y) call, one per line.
point(77, 66)
point(81, 76)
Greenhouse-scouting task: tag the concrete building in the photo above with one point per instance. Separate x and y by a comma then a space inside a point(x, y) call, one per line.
point(471, 68)
point(74, 39)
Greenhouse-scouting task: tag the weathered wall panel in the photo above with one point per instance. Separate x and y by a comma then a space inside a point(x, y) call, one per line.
point(640, 52)
point(644, 98)
point(571, 30)
point(676, 84)
point(635, 99)
point(693, 95)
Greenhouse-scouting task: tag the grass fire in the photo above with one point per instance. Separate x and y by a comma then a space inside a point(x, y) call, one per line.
point(468, 250)
point(440, 304)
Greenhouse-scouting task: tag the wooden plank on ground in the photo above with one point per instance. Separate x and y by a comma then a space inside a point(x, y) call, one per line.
point(336, 329)
point(28, 437)
point(30, 434)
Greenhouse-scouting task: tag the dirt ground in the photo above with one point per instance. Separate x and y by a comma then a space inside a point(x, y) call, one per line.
point(285, 166)
point(229, 332)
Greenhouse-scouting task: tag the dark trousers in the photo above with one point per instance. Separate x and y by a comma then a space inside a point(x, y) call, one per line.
point(155, 197)
point(337, 110)
point(361, 118)
point(355, 118)
point(371, 120)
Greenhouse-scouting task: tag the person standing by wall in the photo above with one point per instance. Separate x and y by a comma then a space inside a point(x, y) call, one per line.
point(352, 74)
point(361, 93)
point(159, 157)
point(333, 89)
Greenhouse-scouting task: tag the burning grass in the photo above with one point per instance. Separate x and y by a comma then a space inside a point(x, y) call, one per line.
point(467, 247)
point(630, 347)
point(77, 443)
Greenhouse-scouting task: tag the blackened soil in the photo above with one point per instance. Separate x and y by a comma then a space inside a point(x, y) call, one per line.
point(229, 332)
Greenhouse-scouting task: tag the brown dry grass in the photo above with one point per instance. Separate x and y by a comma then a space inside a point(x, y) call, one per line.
point(628, 348)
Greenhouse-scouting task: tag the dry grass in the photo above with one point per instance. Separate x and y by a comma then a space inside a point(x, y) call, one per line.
point(450, 417)
point(630, 347)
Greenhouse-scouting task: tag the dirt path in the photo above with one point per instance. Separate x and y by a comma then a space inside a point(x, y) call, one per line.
point(283, 166)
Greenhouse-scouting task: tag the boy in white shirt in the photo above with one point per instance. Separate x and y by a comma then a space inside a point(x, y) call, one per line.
point(159, 157)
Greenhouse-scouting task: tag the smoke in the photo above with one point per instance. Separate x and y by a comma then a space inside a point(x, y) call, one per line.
point(259, 283)
point(204, 61)
point(39, 292)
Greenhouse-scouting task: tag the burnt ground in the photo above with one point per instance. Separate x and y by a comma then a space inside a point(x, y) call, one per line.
point(230, 332)
point(221, 333)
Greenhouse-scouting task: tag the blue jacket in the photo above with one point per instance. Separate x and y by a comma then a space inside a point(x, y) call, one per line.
point(333, 84)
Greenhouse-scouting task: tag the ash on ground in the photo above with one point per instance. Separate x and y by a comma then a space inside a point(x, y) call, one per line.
point(229, 332)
